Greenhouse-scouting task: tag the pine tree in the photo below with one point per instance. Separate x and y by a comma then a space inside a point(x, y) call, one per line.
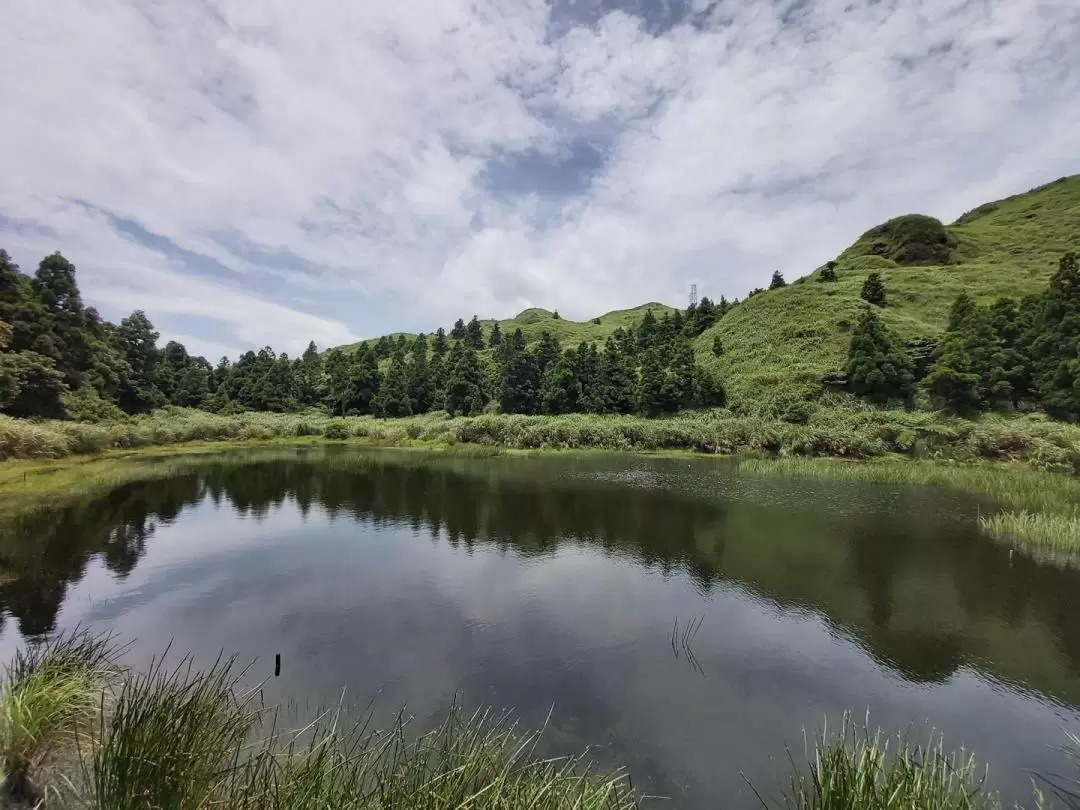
point(1055, 344)
point(828, 272)
point(392, 399)
point(561, 386)
point(340, 381)
point(438, 344)
point(647, 331)
point(420, 382)
point(651, 400)
point(708, 390)
point(876, 368)
point(873, 290)
point(495, 337)
point(777, 280)
point(593, 396)
point(474, 333)
point(678, 388)
point(367, 381)
point(547, 351)
point(717, 346)
point(465, 379)
point(519, 380)
point(458, 332)
point(968, 373)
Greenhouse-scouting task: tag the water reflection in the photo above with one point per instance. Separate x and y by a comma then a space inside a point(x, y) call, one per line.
point(915, 584)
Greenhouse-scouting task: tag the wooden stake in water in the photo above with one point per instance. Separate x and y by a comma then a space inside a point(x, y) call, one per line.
point(277, 664)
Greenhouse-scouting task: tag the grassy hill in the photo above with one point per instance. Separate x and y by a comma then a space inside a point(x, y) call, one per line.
point(792, 336)
point(532, 322)
point(787, 339)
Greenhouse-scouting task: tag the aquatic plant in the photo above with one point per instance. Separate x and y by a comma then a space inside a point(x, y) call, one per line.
point(860, 769)
point(52, 691)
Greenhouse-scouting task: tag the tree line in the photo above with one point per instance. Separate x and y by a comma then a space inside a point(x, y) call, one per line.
point(1004, 355)
point(60, 358)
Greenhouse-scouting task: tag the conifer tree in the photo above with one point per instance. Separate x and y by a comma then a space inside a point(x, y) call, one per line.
point(1055, 345)
point(495, 337)
point(419, 376)
point(717, 346)
point(777, 280)
point(876, 368)
point(873, 290)
point(438, 344)
point(828, 272)
point(651, 401)
point(561, 386)
point(392, 399)
point(519, 381)
point(547, 351)
point(458, 332)
point(474, 333)
point(465, 379)
point(618, 379)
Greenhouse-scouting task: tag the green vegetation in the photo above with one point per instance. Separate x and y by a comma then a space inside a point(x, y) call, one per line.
point(183, 738)
point(861, 768)
point(1043, 508)
point(795, 337)
point(49, 691)
point(180, 737)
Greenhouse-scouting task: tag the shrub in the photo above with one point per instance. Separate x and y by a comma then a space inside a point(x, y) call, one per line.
point(336, 430)
point(913, 239)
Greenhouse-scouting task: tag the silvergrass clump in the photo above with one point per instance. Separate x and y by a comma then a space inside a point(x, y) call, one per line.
point(864, 770)
point(478, 761)
point(173, 739)
point(52, 691)
point(1057, 534)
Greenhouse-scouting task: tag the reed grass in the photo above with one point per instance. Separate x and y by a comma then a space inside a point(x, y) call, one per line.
point(180, 738)
point(50, 691)
point(834, 427)
point(173, 739)
point(1042, 513)
point(863, 770)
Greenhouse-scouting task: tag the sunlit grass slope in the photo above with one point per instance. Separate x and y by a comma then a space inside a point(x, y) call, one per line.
point(793, 336)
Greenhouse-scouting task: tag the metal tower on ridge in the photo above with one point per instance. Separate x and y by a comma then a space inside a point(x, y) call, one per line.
point(693, 295)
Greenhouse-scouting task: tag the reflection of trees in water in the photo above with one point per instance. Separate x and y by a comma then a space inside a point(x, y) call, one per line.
point(875, 577)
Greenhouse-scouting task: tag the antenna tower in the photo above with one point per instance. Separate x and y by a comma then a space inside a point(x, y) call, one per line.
point(693, 295)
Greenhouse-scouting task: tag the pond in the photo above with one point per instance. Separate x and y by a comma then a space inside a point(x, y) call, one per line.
point(551, 584)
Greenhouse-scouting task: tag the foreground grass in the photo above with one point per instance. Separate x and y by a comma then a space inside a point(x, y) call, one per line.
point(1042, 512)
point(182, 738)
point(49, 691)
point(863, 769)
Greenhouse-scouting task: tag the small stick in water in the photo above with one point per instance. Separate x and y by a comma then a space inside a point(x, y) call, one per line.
point(277, 664)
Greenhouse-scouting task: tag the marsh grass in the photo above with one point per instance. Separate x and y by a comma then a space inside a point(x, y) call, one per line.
point(187, 739)
point(863, 770)
point(173, 738)
point(52, 692)
point(1043, 508)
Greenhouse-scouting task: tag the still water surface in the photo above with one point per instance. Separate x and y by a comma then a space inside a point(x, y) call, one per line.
point(551, 583)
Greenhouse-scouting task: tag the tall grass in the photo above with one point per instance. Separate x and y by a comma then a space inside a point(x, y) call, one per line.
point(864, 770)
point(1043, 508)
point(828, 429)
point(50, 691)
point(179, 738)
point(173, 739)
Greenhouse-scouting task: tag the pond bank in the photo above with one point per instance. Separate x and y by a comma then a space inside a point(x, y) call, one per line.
point(1027, 463)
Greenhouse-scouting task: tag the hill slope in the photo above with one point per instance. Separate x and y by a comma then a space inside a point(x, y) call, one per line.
point(533, 322)
point(794, 335)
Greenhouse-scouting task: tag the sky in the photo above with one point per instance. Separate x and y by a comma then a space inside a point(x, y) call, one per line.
point(269, 172)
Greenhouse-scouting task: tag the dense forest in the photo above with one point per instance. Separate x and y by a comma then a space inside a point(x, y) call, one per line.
point(59, 358)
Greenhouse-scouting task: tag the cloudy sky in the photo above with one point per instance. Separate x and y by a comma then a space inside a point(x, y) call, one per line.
point(273, 171)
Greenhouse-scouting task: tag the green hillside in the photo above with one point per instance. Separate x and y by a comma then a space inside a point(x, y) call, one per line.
point(532, 322)
point(797, 334)
point(791, 337)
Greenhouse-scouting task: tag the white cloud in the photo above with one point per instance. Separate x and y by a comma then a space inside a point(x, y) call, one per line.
point(354, 137)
